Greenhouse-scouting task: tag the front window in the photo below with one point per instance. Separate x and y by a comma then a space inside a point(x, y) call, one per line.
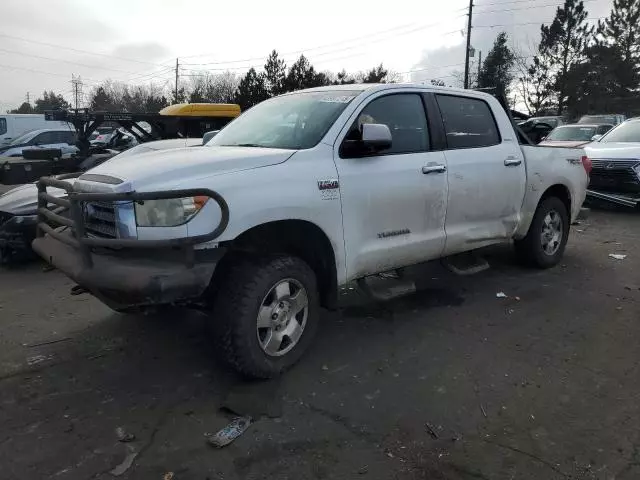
point(295, 121)
point(625, 132)
point(572, 134)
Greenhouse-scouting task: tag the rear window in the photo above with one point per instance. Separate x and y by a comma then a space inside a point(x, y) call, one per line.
point(468, 122)
point(3, 126)
point(598, 119)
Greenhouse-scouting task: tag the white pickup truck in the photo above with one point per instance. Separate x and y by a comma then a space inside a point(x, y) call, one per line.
point(302, 194)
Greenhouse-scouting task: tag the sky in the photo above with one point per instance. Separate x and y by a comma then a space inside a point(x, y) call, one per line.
point(44, 43)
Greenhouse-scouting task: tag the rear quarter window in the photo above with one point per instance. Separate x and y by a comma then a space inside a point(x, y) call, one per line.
point(3, 126)
point(468, 122)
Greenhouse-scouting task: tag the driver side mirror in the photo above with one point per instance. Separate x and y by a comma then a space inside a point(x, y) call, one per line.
point(374, 137)
point(595, 138)
point(208, 136)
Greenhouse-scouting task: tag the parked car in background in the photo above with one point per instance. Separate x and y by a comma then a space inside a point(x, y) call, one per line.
point(13, 125)
point(537, 128)
point(552, 120)
point(616, 163)
point(18, 207)
point(64, 139)
point(610, 118)
point(574, 135)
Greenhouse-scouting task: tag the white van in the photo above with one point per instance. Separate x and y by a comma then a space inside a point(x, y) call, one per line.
point(12, 125)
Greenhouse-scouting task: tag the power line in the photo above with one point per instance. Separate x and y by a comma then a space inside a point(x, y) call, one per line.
point(53, 45)
point(14, 52)
point(247, 67)
point(526, 23)
point(526, 8)
point(297, 52)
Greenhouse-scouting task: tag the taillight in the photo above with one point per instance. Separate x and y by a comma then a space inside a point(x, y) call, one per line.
point(586, 163)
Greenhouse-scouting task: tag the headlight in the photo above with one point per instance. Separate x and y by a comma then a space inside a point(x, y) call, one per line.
point(168, 212)
point(637, 170)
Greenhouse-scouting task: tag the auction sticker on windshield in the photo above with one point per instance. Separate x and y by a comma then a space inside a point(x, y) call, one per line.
point(340, 99)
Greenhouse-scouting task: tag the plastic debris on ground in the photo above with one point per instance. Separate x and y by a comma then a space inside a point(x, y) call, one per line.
point(124, 436)
point(125, 465)
point(617, 256)
point(229, 433)
point(501, 295)
point(431, 430)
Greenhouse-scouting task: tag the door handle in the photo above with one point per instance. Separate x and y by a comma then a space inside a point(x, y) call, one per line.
point(512, 161)
point(434, 169)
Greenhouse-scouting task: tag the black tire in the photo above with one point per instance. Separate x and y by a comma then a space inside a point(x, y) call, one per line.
point(530, 249)
point(237, 302)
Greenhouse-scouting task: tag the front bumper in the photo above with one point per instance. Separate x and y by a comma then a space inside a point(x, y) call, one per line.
point(125, 272)
point(121, 280)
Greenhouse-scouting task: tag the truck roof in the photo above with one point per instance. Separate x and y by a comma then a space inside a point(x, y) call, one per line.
point(361, 87)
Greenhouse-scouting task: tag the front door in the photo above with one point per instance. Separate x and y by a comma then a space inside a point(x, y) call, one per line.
point(486, 174)
point(393, 202)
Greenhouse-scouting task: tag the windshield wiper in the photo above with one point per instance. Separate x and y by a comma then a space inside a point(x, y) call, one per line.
point(243, 145)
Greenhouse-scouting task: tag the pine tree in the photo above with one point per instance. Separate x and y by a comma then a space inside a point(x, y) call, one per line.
point(275, 73)
point(622, 29)
point(376, 75)
point(100, 100)
point(301, 75)
point(251, 90)
point(24, 108)
point(51, 101)
point(537, 87)
point(563, 45)
point(496, 72)
point(619, 35)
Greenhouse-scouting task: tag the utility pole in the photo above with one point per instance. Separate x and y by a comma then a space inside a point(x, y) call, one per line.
point(28, 99)
point(76, 91)
point(176, 92)
point(466, 58)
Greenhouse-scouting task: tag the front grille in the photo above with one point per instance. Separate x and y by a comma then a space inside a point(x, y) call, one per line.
point(100, 219)
point(616, 175)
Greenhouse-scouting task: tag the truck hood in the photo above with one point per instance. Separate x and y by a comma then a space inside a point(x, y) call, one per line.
point(163, 167)
point(613, 151)
point(23, 200)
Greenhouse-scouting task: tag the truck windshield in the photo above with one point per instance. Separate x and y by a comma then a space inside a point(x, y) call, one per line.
point(572, 133)
point(294, 121)
point(625, 132)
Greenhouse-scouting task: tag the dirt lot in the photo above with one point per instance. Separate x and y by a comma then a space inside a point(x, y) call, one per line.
point(448, 383)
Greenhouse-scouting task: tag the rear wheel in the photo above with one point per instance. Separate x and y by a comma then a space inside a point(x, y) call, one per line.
point(546, 239)
point(265, 315)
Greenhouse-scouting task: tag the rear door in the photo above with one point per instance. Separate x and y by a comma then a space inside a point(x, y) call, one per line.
point(394, 201)
point(486, 173)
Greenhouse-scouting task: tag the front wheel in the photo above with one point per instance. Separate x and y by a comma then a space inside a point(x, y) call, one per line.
point(547, 237)
point(265, 315)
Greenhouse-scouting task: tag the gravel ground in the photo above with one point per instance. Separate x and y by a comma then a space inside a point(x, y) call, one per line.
point(448, 383)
